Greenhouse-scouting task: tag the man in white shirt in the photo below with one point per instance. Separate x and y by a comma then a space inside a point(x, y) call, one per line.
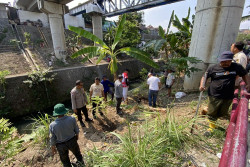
point(239, 57)
point(154, 86)
point(96, 90)
point(170, 81)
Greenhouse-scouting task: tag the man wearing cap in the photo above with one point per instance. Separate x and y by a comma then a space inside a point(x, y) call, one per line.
point(118, 93)
point(154, 86)
point(106, 85)
point(96, 90)
point(79, 101)
point(64, 135)
point(221, 89)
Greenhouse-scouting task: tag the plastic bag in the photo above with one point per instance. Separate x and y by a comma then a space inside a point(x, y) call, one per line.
point(179, 95)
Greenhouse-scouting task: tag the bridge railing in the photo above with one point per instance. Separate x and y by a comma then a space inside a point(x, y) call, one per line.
point(235, 146)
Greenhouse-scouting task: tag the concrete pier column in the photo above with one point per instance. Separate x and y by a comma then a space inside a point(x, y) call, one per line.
point(55, 13)
point(97, 24)
point(215, 28)
point(3, 11)
point(58, 37)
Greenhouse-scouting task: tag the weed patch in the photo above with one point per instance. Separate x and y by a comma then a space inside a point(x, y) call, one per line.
point(10, 144)
point(154, 143)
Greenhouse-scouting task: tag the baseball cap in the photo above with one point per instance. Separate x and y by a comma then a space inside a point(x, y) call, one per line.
point(226, 55)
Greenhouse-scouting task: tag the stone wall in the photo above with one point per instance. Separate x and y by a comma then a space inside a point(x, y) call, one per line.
point(6, 32)
point(36, 35)
point(20, 99)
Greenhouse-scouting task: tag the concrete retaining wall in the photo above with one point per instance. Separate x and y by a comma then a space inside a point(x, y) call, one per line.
point(20, 98)
point(33, 16)
point(73, 21)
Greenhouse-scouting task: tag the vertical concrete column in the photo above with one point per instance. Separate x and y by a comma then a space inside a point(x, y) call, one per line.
point(97, 25)
point(3, 11)
point(216, 26)
point(58, 37)
point(55, 13)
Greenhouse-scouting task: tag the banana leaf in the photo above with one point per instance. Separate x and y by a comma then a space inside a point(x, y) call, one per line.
point(119, 32)
point(86, 50)
point(139, 55)
point(88, 35)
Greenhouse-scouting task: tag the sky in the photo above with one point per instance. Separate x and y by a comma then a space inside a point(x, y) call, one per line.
point(160, 15)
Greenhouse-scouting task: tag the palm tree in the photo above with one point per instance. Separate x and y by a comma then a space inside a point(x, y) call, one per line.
point(102, 49)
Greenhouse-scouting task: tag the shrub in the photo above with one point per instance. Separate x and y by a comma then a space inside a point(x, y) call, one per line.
point(10, 145)
point(4, 107)
point(41, 129)
point(154, 143)
point(40, 81)
point(3, 74)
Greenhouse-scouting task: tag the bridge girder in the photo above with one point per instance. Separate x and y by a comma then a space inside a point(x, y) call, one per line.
point(111, 8)
point(32, 5)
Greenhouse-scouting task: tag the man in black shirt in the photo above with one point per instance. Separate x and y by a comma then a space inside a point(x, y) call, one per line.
point(221, 89)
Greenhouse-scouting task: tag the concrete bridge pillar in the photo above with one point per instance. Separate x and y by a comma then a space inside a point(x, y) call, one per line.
point(215, 28)
point(55, 14)
point(97, 24)
point(96, 13)
point(3, 11)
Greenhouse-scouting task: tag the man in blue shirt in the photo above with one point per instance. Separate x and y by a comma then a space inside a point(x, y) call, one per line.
point(64, 135)
point(106, 85)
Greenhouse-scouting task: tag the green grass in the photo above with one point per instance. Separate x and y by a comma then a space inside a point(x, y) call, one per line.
point(41, 129)
point(10, 144)
point(155, 143)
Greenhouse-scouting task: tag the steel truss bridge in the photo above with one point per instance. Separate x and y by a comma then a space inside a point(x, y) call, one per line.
point(111, 8)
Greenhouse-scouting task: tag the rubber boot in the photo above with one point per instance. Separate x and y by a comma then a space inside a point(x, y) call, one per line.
point(211, 128)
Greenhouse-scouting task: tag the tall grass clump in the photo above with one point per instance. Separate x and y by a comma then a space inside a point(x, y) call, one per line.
point(10, 144)
point(156, 143)
point(41, 129)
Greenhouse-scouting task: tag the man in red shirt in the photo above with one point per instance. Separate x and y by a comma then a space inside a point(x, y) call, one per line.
point(125, 85)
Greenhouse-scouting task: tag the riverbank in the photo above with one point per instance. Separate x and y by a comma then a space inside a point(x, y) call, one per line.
point(47, 88)
point(107, 134)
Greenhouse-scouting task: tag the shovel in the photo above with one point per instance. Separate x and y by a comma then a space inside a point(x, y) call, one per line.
point(198, 105)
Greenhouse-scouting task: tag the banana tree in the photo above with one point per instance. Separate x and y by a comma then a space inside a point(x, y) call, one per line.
point(163, 43)
point(102, 49)
point(176, 43)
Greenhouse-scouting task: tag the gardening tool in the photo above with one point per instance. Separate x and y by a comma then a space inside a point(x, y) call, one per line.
point(198, 105)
